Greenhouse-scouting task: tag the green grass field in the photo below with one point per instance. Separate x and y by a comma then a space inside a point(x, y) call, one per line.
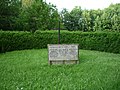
point(29, 70)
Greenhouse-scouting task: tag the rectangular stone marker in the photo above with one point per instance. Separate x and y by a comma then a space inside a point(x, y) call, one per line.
point(63, 54)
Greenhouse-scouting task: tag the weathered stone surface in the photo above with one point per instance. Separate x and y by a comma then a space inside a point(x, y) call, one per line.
point(64, 53)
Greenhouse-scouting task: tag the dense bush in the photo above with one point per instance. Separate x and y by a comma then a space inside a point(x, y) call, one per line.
point(102, 41)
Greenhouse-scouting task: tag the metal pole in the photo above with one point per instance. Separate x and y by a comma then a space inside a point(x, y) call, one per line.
point(59, 33)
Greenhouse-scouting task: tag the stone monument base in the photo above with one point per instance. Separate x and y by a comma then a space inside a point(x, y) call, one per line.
point(63, 54)
point(66, 62)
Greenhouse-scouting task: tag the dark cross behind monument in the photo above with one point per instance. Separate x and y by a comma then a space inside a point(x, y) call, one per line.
point(59, 32)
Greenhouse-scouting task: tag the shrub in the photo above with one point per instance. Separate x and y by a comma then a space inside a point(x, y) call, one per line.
point(101, 41)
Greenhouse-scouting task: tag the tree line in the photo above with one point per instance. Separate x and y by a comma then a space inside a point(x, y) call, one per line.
point(107, 19)
point(43, 16)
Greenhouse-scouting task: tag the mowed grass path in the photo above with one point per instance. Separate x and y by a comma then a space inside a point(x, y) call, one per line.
point(29, 70)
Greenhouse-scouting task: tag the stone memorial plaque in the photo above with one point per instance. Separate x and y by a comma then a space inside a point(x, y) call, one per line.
point(63, 53)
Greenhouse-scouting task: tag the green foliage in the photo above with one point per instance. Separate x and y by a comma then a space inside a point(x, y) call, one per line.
point(9, 11)
point(39, 15)
point(110, 19)
point(42, 16)
point(71, 19)
point(102, 41)
point(29, 70)
point(92, 20)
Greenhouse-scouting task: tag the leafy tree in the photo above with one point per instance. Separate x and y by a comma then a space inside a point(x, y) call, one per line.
point(65, 15)
point(71, 19)
point(115, 13)
point(9, 11)
point(98, 22)
point(92, 20)
point(110, 18)
point(39, 15)
point(115, 21)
